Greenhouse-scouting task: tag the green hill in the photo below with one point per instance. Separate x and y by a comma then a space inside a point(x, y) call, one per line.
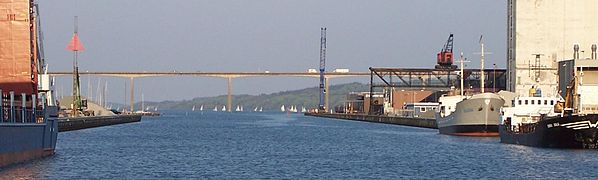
point(307, 98)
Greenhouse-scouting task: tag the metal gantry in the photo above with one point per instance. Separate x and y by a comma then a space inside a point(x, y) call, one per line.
point(435, 79)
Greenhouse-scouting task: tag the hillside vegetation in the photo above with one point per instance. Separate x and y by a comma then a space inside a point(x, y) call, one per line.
point(307, 98)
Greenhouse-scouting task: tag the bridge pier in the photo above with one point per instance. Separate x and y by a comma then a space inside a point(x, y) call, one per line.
point(229, 96)
point(132, 94)
point(326, 93)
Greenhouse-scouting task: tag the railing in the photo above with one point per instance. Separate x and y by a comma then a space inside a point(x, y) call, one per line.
point(23, 108)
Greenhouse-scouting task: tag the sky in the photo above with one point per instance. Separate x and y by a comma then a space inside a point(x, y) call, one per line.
point(257, 36)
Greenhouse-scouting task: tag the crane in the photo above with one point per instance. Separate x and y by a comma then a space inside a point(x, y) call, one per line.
point(321, 106)
point(445, 56)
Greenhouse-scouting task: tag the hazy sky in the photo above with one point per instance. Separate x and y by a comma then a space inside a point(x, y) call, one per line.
point(259, 35)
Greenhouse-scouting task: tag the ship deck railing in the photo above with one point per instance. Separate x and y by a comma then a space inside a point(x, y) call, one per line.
point(23, 108)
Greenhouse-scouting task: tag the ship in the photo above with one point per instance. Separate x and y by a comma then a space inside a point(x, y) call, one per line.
point(476, 115)
point(571, 123)
point(26, 128)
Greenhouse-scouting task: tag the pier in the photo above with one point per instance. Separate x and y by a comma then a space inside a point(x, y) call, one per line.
point(77, 123)
point(396, 120)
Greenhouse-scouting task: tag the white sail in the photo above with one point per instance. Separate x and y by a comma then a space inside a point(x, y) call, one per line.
point(261, 108)
point(223, 108)
point(238, 109)
point(255, 110)
point(303, 109)
point(215, 108)
point(201, 108)
point(241, 108)
point(193, 109)
point(282, 108)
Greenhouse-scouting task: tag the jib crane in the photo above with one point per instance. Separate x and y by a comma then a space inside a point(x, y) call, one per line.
point(445, 56)
point(321, 106)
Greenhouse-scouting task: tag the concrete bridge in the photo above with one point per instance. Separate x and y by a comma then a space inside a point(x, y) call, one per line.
point(227, 75)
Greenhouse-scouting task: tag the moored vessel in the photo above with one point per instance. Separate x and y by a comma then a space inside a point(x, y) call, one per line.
point(571, 123)
point(477, 115)
point(26, 130)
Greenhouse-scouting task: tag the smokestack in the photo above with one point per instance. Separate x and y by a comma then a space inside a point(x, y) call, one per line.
point(576, 51)
point(594, 52)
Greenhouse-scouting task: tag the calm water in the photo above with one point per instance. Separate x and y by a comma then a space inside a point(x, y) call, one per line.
point(280, 146)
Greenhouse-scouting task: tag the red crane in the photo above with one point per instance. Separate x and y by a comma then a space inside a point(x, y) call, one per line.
point(445, 56)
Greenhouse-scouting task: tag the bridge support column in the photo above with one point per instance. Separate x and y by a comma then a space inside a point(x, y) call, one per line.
point(229, 97)
point(132, 94)
point(327, 94)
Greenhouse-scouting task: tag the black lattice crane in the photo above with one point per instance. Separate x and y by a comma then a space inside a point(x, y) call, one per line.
point(323, 92)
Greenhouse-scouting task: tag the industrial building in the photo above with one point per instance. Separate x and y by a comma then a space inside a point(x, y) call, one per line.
point(543, 32)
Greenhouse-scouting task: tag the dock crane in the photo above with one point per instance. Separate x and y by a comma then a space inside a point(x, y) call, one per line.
point(445, 56)
point(323, 92)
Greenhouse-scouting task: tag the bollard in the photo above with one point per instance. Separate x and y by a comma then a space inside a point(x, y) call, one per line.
point(23, 107)
point(12, 107)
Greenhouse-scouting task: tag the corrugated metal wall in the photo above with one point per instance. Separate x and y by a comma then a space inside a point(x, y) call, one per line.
point(16, 47)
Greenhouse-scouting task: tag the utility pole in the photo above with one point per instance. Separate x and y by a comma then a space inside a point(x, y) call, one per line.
point(323, 93)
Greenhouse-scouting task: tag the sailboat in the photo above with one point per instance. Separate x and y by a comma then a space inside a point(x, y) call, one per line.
point(255, 109)
point(201, 108)
point(215, 108)
point(223, 108)
point(238, 109)
point(303, 109)
point(261, 108)
point(241, 108)
point(282, 108)
point(193, 109)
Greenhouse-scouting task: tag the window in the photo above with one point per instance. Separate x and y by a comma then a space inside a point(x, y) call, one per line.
point(525, 102)
point(422, 109)
point(519, 102)
point(545, 102)
point(533, 101)
point(539, 102)
point(551, 102)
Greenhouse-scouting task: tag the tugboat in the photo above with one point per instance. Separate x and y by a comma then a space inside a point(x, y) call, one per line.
point(26, 130)
point(554, 123)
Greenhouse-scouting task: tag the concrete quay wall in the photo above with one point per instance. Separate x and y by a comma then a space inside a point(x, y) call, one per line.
point(76, 123)
point(405, 121)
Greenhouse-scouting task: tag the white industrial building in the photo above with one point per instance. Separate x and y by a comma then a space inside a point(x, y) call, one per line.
point(543, 32)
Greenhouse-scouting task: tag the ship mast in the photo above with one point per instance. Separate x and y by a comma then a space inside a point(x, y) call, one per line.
point(462, 61)
point(482, 66)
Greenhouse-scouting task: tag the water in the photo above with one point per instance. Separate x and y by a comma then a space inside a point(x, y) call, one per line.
point(216, 145)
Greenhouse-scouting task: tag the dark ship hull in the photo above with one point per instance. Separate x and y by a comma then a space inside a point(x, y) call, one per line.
point(569, 132)
point(470, 130)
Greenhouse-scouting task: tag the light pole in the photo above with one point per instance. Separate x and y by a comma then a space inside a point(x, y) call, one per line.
point(494, 78)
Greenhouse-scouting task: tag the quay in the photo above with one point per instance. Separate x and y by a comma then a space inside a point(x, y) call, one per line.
point(77, 123)
point(396, 120)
